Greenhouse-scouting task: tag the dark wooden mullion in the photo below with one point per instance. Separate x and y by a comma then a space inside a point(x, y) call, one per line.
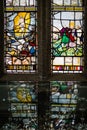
point(68, 77)
point(44, 38)
point(39, 30)
point(43, 105)
point(1, 37)
point(48, 38)
point(19, 77)
point(85, 36)
point(44, 63)
point(4, 113)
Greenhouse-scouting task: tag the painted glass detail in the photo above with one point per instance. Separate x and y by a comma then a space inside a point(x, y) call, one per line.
point(20, 45)
point(64, 97)
point(67, 37)
point(22, 97)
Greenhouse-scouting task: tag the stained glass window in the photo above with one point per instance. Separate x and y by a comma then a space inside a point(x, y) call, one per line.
point(22, 98)
point(64, 97)
point(67, 36)
point(20, 45)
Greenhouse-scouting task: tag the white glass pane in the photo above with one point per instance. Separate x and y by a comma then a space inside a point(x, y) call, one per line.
point(15, 2)
point(59, 2)
point(58, 61)
point(8, 2)
point(66, 2)
point(68, 60)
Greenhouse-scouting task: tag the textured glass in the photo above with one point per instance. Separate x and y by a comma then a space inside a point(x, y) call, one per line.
point(67, 37)
point(20, 45)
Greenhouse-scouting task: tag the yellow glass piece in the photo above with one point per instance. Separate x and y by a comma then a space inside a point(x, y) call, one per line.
point(23, 95)
point(11, 67)
point(9, 8)
point(21, 24)
point(72, 24)
point(68, 96)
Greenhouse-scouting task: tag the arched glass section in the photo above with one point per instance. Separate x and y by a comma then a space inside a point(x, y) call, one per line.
point(20, 29)
point(67, 40)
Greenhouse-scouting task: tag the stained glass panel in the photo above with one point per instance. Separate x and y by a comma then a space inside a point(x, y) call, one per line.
point(22, 97)
point(64, 97)
point(20, 45)
point(19, 101)
point(67, 37)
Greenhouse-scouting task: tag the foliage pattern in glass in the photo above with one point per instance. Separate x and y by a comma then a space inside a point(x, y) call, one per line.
point(67, 37)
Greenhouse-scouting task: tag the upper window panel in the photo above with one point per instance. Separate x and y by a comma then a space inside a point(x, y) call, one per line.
point(67, 36)
point(21, 3)
point(68, 2)
point(20, 29)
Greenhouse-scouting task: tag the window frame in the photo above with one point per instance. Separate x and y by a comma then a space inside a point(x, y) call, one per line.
point(44, 75)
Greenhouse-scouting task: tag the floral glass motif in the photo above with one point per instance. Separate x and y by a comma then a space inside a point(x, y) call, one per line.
point(20, 42)
point(64, 97)
point(67, 37)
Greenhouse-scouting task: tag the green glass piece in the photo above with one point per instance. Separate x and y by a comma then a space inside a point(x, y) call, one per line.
point(70, 52)
point(57, 43)
point(55, 84)
point(79, 52)
point(63, 87)
point(65, 39)
point(63, 54)
point(56, 52)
